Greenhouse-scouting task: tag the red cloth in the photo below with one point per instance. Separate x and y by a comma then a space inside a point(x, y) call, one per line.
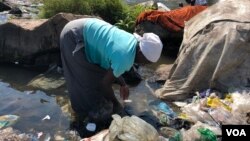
point(172, 20)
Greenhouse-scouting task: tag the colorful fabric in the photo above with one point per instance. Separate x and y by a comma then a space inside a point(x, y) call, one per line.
point(173, 20)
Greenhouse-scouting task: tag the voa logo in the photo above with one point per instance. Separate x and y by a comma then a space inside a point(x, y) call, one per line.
point(236, 132)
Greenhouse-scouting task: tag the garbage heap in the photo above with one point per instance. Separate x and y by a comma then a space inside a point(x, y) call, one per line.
point(199, 118)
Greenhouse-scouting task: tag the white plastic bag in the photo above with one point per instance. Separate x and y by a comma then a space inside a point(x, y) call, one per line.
point(131, 129)
point(101, 136)
point(192, 134)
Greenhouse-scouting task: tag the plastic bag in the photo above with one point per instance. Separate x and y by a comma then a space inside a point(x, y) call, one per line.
point(240, 107)
point(207, 135)
point(215, 102)
point(176, 137)
point(193, 112)
point(131, 129)
point(193, 134)
point(101, 136)
point(163, 107)
point(8, 120)
point(239, 103)
point(168, 132)
point(221, 115)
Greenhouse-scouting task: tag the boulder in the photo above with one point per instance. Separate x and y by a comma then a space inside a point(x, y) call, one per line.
point(4, 7)
point(33, 42)
point(16, 11)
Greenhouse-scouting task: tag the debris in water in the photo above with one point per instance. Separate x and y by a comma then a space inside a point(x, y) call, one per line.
point(39, 134)
point(8, 120)
point(46, 117)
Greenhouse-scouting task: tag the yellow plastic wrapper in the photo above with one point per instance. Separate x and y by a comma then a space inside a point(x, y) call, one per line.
point(229, 98)
point(215, 102)
point(183, 116)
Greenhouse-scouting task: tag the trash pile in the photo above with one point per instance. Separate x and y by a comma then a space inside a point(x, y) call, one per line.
point(199, 118)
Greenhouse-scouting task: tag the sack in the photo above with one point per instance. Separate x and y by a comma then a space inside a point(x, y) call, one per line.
point(131, 129)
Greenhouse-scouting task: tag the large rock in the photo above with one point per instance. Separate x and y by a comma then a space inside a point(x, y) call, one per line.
point(33, 42)
point(4, 7)
point(16, 11)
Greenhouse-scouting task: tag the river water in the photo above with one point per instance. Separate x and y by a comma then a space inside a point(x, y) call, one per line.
point(30, 104)
point(33, 104)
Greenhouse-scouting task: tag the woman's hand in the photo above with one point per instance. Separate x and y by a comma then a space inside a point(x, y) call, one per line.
point(124, 92)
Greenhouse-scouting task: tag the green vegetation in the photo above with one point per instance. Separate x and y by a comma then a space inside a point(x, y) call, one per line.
point(52, 7)
point(128, 21)
point(115, 12)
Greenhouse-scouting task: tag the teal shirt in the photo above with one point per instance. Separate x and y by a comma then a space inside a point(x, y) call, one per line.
point(108, 46)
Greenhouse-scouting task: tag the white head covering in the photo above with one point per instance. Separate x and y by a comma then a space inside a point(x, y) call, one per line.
point(150, 45)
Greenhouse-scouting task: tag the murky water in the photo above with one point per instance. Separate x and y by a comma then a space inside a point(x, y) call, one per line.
point(32, 105)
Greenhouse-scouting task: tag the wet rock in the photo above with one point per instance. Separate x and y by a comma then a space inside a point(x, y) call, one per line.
point(4, 7)
point(48, 81)
point(16, 11)
point(33, 42)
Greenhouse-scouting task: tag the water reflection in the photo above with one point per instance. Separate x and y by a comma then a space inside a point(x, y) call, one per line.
point(32, 105)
